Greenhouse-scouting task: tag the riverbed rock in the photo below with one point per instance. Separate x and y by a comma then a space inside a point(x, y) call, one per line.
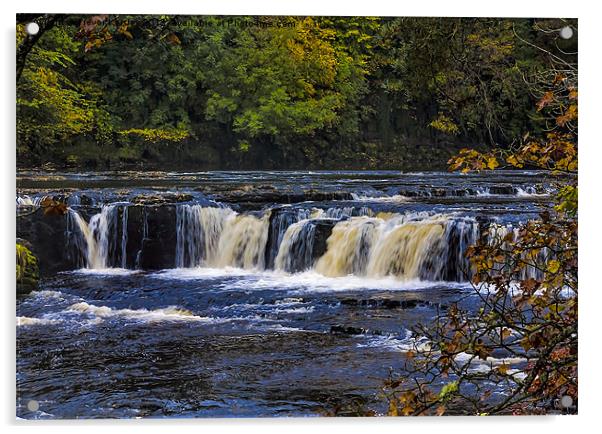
point(47, 236)
point(501, 189)
point(158, 247)
point(163, 198)
point(250, 197)
point(347, 330)
point(384, 303)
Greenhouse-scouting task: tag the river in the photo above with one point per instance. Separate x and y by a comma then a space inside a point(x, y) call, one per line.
point(243, 294)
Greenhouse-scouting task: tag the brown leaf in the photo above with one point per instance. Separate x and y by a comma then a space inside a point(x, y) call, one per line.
point(52, 207)
point(546, 99)
point(173, 39)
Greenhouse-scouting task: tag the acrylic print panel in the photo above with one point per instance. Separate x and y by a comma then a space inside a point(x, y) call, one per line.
point(295, 216)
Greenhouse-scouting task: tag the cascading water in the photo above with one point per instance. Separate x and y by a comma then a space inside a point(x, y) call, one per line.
point(279, 224)
point(296, 249)
point(198, 231)
point(124, 236)
point(144, 235)
point(243, 241)
point(406, 246)
point(334, 242)
point(496, 235)
point(97, 239)
point(348, 247)
point(220, 237)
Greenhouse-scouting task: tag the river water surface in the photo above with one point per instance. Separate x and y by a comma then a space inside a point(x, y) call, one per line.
point(282, 294)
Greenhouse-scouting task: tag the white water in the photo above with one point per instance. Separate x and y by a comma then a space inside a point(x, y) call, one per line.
point(26, 200)
point(413, 246)
point(296, 248)
point(496, 236)
point(99, 235)
point(307, 281)
point(220, 237)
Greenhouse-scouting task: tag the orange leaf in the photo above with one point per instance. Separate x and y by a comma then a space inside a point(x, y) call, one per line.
point(546, 99)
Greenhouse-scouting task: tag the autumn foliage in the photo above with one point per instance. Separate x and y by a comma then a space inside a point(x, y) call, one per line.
point(518, 353)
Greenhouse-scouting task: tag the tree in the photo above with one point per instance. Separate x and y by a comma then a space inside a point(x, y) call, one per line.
point(53, 105)
point(526, 281)
point(236, 92)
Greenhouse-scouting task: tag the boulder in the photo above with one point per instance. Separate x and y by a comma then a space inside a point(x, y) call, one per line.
point(158, 248)
point(47, 236)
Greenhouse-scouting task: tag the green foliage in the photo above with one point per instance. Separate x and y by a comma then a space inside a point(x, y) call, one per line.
point(155, 135)
point(567, 200)
point(279, 91)
point(51, 106)
point(448, 390)
point(26, 268)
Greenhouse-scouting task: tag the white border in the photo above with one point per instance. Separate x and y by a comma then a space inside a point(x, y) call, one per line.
point(590, 185)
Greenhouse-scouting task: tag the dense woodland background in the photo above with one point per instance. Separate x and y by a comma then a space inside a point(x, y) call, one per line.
point(178, 92)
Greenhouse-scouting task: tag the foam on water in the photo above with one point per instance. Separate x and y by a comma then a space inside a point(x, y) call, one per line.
point(310, 281)
point(106, 271)
point(171, 313)
point(398, 198)
point(28, 321)
point(388, 342)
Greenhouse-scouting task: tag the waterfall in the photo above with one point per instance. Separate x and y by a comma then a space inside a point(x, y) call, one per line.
point(124, 236)
point(144, 235)
point(406, 246)
point(279, 224)
point(243, 242)
point(348, 247)
point(98, 238)
point(26, 200)
point(78, 236)
point(495, 236)
point(198, 231)
point(333, 242)
point(220, 237)
point(296, 250)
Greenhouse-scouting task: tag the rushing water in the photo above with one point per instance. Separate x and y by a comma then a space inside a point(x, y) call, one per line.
point(283, 293)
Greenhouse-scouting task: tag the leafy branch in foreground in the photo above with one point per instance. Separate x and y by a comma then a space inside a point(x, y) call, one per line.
point(518, 353)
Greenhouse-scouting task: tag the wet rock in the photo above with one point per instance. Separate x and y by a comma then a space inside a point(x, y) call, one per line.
point(347, 330)
point(353, 331)
point(319, 196)
point(152, 236)
point(250, 196)
point(47, 236)
point(321, 234)
point(501, 189)
point(383, 303)
point(304, 250)
point(438, 192)
point(81, 199)
point(158, 199)
point(280, 220)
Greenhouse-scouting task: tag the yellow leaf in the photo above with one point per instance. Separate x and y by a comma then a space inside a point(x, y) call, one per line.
point(503, 369)
point(393, 408)
point(553, 266)
point(492, 163)
point(512, 160)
